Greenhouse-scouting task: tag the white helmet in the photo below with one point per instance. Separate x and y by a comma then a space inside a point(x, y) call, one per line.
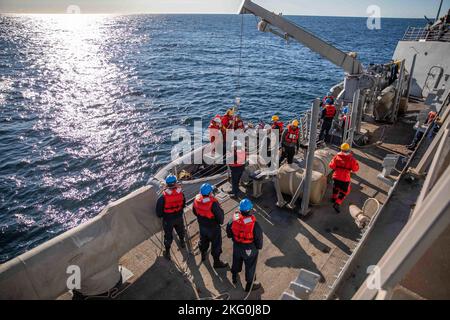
point(217, 120)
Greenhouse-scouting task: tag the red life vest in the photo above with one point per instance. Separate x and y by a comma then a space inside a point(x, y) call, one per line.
point(203, 205)
point(292, 134)
point(330, 111)
point(213, 123)
point(343, 165)
point(214, 131)
point(277, 125)
point(239, 124)
point(226, 121)
point(173, 200)
point(242, 228)
point(240, 158)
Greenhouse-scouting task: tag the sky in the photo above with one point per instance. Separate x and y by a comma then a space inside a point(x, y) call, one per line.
point(353, 8)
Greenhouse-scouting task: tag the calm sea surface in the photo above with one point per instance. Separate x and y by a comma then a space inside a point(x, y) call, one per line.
point(88, 102)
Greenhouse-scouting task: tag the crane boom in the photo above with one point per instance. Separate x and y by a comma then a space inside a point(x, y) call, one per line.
point(350, 64)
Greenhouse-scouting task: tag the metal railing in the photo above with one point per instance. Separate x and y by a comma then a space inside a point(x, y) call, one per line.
point(423, 34)
point(304, 126)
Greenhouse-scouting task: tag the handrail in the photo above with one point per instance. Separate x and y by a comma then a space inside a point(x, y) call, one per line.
point(423, 34)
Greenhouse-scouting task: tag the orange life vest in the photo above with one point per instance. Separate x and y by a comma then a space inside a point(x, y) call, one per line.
point(292, 134)
point(203, 205)
point(242, 228)
point(240, 158)
point(173, 200)
point(330, 111)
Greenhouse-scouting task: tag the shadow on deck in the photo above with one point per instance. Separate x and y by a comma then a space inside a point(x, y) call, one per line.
point(320, 243)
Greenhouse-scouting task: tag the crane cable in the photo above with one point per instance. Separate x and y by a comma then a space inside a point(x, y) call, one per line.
point(240, 57)
point(238, 86)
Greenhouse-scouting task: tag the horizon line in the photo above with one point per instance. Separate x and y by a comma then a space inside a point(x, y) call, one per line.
point(190, 13)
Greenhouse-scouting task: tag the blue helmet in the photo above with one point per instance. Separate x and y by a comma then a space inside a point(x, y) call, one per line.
point(206, 189)
point(328, 101)
point(171, 179)
point(245, 205)
point(345, 110)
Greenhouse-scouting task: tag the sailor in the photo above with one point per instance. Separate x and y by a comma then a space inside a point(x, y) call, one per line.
point(216, 130)
point(266, 143)
point(393, 69)
point(327, 116)
point(170, 207)
point(238, 123)
point(247, 238)
point(328, 99)
point(277, 124)
point(343, 118)
point(422, 128)
point(342, 164)
point(215, 127)
point(236, 161)
point(290, 142)
point(210, 217)
point(227, 119)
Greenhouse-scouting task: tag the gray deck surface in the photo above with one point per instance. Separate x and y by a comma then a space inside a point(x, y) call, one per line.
point(321, 243)
point(395, 216)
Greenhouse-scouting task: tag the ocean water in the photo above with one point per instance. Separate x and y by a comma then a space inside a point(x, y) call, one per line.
point(88, 102)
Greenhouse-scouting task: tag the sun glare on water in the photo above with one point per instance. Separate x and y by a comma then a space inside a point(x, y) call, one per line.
point(77, 83)
point(75, 56)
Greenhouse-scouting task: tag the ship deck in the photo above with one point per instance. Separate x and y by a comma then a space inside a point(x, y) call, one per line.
point(321, 242)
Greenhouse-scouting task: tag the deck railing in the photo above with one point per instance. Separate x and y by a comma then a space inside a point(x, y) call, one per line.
point(423, 34)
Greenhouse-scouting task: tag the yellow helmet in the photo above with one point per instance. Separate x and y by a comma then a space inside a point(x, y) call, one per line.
point(295, 123)
point(275, 118)
point(345, 146)
point(230, 112)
